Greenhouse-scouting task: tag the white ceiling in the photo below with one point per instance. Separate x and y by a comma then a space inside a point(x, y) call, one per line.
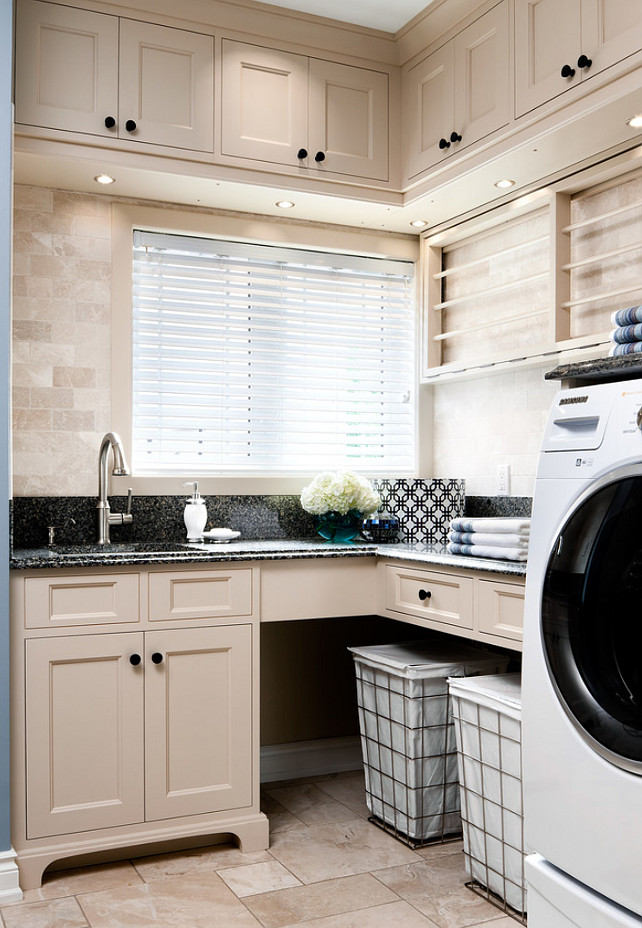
point(377, 14)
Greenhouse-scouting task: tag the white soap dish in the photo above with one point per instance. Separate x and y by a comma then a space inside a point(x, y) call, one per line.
point(221, 534)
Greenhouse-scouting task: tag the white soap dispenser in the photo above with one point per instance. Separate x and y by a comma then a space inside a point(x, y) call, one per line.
point(195, 514)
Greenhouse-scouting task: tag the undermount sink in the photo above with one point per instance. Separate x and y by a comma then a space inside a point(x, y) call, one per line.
point(115, 549)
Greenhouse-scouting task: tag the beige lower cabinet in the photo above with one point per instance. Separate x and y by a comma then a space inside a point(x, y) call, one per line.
point(474, 604)
point(128, 737)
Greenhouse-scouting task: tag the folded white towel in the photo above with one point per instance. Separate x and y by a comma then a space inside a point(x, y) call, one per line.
point(491, 524)
point(490, 551)
point(501, 539)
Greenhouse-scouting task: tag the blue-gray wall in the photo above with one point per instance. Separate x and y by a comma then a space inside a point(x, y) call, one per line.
point(6, 31)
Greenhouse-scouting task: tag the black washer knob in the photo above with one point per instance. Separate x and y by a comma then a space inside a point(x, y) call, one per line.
point(130, 125)
point(302, 153)
point(424, 594)
point(584, 62)
point(319, 157)
point(157, 658)
point(444, 143)
point(110, 122)
point(455, 137)
point(134, 659)
point(567, 71)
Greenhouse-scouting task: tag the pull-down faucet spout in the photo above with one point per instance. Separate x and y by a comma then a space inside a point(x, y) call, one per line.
point(120, 469)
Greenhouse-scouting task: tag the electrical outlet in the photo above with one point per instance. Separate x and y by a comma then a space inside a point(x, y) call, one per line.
point(503, 480)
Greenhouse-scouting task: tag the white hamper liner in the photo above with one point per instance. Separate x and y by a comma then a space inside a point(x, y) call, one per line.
point(407, 734)
point(487, 712)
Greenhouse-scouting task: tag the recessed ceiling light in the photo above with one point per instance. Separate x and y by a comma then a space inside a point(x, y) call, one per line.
point(284, 204)
point(635, 122)
point(104, 179)
point(419, 223)
point(506, 182)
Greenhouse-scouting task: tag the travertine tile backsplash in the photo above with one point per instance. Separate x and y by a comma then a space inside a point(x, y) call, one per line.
point(62, 366)
point(61, 340)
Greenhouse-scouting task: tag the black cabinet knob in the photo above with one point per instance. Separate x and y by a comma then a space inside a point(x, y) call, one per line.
point(424, 594)
point(584, 62)
point(444, 143)
point(130, 125)
point(319, 157)
point(134, 659)
point(302, 153)
point(455, 137)
point(110, 122)
point(567, 71)
point(157, 658)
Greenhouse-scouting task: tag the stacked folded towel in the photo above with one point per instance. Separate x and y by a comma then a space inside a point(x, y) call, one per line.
point(504, 539)
point(627, 334)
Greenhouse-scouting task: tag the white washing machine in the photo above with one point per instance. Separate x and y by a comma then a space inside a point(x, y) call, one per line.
point(582, 670)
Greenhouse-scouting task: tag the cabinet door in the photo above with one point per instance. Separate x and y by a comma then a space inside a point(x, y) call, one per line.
point(265, 108)
point(348, 119)
point(198, 720)
point(84, 731)
point(611, 31)
point(482, 97)
point(66, 67)
point(428, 92)
point(547, 37)
point(166, 86)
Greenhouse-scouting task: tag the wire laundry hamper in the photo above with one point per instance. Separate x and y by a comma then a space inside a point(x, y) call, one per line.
point(487, 719)
point(407, 736)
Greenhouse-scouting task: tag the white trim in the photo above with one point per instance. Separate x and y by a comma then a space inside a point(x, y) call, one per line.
point(310, 758)
point(9, 878)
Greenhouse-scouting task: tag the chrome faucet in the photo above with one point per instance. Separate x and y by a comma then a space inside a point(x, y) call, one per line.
point(120, 469)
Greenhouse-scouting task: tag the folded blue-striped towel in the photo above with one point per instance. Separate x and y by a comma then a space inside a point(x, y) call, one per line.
point(628, 348)
point(626, 333)
point(500, 539)
point(491, 524)
point(490, 551)
point(629, 316)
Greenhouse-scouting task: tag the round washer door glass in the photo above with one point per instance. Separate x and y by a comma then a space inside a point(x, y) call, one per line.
point(592, 620)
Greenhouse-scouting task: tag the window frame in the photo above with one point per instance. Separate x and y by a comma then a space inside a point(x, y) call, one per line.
point(247, 228)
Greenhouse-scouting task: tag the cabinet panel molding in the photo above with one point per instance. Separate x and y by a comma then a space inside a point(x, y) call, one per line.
point(90, 599)
point(198, 594)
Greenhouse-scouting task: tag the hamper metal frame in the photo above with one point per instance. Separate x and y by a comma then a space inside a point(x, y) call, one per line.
point(408, 800)
point(468, 794)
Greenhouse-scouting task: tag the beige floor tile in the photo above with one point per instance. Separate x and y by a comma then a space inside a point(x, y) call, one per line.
point(53, 913)
point(311, 804)
point(198, 860)
point(258, 878)
point(348, 789)
point(280, 818)
point(325, 852)
point(436, 887)
point(84, 880)
point(195, 901)
point(392, 915)
point(432, 851)
point(332, 897)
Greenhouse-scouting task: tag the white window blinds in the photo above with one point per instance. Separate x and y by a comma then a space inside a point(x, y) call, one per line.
point(252, 359)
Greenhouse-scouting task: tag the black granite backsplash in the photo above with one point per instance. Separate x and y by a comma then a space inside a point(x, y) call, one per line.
point(424, 509)
point(485, 506)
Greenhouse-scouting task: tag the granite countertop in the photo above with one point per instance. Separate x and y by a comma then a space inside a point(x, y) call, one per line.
point(118, 555)
point(623, 367)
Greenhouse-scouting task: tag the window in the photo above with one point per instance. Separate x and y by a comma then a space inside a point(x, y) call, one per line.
point(255, 359)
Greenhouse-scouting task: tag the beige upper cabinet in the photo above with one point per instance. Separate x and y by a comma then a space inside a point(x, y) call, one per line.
point(458, 94)
point(304, 113)
point(93, 73)
point(558, 45)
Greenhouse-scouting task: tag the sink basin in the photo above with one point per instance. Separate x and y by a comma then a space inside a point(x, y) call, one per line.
point(141, 549)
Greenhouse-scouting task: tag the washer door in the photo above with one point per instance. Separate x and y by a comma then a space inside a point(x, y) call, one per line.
point(592, 620)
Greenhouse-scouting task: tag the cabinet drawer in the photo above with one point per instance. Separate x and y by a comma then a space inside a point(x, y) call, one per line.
point(200, 594)
point(431, 595)
point(500, 608)
point(94, 599)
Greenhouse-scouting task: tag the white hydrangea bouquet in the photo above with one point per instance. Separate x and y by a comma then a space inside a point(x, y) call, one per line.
point(340, 502)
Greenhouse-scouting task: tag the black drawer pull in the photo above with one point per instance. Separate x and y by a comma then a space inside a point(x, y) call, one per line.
point(134, 659)
point(110, 122)
point(130, 125)
point(424, 594)
point(444, 143)
point(567, 71)
point(157, 658)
